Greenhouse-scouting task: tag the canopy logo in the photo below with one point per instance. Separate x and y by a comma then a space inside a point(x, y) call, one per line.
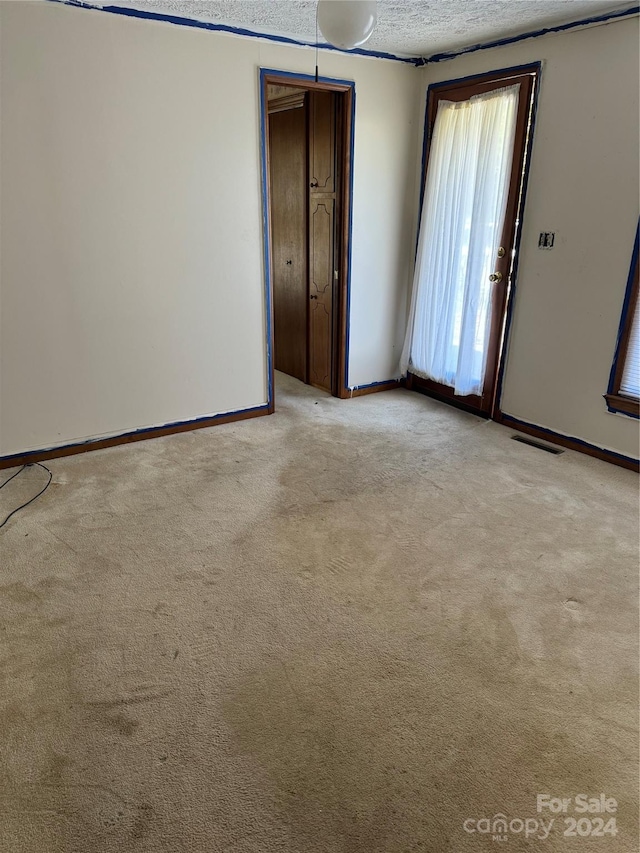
point(551, 813)
point(500, 826)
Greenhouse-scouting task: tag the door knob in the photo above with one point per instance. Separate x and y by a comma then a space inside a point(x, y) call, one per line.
point(313, 296)
point(496, 276)
point(289, 263)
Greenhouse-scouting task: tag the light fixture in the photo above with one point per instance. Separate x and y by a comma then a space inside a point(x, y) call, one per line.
point(347, 23)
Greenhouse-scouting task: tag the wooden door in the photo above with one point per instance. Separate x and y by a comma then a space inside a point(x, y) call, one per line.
point(288, 171)
point(502, 263)
point(323, 229)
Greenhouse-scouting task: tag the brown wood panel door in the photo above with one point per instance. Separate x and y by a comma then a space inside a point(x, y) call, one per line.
point(321, 244)
point(322, 142)
point(502, 258)
point(323, 183)
point(288, 162)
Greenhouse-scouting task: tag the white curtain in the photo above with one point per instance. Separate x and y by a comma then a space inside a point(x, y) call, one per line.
point(463, 211)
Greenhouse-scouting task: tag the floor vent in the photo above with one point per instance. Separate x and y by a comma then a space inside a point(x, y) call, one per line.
point(533, 443)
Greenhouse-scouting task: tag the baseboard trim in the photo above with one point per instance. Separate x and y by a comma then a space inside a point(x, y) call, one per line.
point(374, 387)
point(413, 384)
point(128, 437)
point(569, 442)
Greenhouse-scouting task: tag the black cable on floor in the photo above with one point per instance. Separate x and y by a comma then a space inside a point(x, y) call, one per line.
point(41, 492)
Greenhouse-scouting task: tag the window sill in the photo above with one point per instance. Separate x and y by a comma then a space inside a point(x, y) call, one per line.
point(623, 405)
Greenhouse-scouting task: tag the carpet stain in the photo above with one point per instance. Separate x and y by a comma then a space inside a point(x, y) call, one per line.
point(123, 725)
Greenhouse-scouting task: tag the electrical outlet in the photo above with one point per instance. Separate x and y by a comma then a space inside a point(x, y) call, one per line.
point(546, 239)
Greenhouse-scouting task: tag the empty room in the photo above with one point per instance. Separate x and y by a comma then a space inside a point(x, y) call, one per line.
point(319, 407)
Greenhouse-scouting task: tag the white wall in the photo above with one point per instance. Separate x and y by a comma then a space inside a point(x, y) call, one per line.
point(131, 279)
point(584, 186)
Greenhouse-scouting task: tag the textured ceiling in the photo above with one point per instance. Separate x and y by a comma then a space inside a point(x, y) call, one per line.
point(408, 28)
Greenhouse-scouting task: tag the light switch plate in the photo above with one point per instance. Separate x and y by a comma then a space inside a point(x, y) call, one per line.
point(546, 239)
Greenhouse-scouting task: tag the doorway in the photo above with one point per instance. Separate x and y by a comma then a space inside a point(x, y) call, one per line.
point(477, 143)
point(307, 154)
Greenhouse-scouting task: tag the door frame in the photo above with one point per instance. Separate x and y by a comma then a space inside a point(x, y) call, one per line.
point(534, 70)
point(269, 76)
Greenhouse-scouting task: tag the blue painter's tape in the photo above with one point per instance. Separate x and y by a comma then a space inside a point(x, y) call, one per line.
point(298, 75)
point(417, 61)
point(616, 411)
point(426, 136)
point(148, 432)
point(266, 241)
point(509, 420)
point(510, 71)
point(194, 23)
point(374, 384)
point(350, 244)
point(583, 22)
point(626, 308)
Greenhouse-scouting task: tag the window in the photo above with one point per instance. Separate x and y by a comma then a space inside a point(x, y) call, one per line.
point(624, 383)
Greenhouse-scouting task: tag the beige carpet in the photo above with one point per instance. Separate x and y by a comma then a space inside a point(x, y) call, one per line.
point(350, 627)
